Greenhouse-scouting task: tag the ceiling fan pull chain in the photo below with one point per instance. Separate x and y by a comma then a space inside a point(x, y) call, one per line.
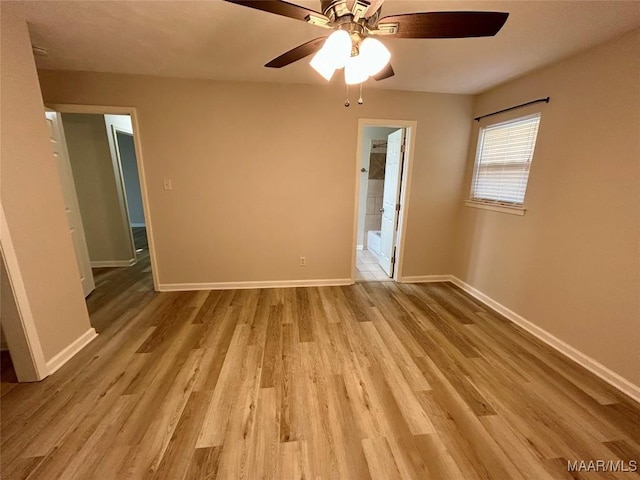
point(360, 100)
point(346, 104)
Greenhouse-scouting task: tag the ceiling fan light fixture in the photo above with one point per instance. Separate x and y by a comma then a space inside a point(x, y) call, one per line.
point(355, 71)
point(374, 55)
point(353, 21)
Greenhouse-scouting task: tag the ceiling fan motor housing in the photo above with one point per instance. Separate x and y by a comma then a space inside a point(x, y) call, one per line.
point(338, 8)
point(360, 11)
point(356, 17)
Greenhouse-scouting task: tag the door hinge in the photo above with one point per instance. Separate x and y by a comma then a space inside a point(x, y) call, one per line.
point(402, 148)
point(397, 207)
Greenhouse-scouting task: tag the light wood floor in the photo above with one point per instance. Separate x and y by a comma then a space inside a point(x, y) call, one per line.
point(376, 380)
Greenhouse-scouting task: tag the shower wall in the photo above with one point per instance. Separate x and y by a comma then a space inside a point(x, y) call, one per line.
point(375, 186)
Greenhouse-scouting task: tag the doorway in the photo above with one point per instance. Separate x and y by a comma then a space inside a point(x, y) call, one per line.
point(384, 166)
point(108, 174)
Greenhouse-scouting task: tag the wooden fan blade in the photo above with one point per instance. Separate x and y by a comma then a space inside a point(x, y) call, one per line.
point(386, 72)
point(279, 8)
point(447, 24)
point(298, 53)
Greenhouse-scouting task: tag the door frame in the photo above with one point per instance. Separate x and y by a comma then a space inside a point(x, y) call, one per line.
point(118, 174)
point(410, 127)
point(118, 164)
point(131, 111)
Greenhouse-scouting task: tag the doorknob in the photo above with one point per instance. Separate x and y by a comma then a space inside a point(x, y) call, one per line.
point(382, 210)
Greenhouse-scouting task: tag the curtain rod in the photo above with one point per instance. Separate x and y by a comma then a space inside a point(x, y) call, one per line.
point(545, 100)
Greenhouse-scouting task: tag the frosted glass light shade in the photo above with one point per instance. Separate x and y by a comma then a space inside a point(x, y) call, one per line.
point(355, 71)
point(375, 55)
point(334, 54)
point(338, 47)
point(323, 64)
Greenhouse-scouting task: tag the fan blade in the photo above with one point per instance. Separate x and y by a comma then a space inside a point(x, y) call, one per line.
point(446, 24)
point(386, 72)
point(279, 8)
point(298, 53)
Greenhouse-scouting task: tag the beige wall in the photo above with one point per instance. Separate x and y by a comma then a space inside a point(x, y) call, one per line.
point(106, 226)
point(32, 198)
point(571, 265)
point(263, 174)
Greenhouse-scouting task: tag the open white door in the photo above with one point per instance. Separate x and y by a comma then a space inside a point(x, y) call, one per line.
point(61, 155)
point(390, 196)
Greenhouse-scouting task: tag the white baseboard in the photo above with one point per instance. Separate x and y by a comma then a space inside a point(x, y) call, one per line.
point(595, 367)
point(113, 263)
point(359, 247)
point(180, 287)
point(425, 279)
point(134, 225)
point(65, 355)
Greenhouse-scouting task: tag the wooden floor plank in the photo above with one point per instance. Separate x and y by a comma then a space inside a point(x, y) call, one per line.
point(238, 432)
point(204, 464)
point(381, 464)
point(289, 464)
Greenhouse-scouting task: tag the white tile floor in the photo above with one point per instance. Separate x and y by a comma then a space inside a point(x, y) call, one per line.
point(368, 269)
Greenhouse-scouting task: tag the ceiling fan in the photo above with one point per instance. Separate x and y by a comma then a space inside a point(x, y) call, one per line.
point(356, 23)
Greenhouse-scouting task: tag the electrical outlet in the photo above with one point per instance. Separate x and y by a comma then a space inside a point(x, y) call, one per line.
point(303, 262)
point(167, 184)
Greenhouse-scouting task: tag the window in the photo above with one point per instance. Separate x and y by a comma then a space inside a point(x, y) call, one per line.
point(503, 159)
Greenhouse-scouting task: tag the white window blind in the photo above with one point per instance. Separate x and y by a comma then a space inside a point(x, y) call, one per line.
point(503, 159)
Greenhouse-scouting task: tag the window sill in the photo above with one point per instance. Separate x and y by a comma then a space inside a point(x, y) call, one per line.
point(496, 208)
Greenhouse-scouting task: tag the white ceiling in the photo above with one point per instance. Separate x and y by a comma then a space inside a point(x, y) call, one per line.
point(218, 40)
